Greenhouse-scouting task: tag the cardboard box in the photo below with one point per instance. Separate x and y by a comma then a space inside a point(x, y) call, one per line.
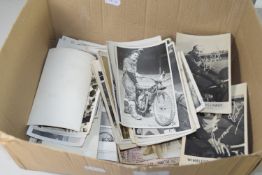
point(41, 22)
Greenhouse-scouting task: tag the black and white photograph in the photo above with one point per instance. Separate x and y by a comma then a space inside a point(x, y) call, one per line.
point(220, 135)
point(182, 106)
point(105, 126)
point(195, 93)
point(100, 78)
point(92, 105)
point(104, 118)
point(67, 136)
point(89, 148)
point(108, 109)
point(106, 146)
point(112, 72)
point(57, 135)
point(105, 134)
point(105, 65)
point(209, 59)
point(112, 56)
point(119, 132)
point(107, 99)
point(146, 87)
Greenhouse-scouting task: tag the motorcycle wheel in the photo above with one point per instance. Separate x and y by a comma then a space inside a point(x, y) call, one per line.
point(163, 109)
point(142, 104)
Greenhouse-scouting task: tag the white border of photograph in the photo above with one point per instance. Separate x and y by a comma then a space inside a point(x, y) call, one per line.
point(237, 90)
point(188, 95)
point(95, 109)
point(86, 46)
point(185, 41)
point(191, 112)
point(59, 136)
point(70, 137)
point(124, 143)
point(192, 80)
point(113, 62)
point(144, 125)
point(90, 145)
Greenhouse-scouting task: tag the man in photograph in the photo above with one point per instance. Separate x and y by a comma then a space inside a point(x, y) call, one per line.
point(205, 139)
point(208, 80)
point(129, 81)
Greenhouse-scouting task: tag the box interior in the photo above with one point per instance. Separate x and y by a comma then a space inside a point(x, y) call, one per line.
point(41, 23)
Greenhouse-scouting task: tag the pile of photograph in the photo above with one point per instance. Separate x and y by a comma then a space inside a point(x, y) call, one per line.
point(68, 112)
point(151, 101)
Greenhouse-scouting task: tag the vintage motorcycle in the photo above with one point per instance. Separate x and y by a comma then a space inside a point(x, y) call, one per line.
point(213, 81)
point(156, 99)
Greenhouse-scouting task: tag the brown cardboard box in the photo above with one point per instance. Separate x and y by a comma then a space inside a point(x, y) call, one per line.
point(41, 22)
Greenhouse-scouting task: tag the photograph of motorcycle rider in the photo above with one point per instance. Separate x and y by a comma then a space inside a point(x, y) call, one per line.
point(129, 82)
point(210, 83)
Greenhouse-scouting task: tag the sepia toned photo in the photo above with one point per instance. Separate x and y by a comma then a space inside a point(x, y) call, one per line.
point(182, 105)
point(162, 151)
